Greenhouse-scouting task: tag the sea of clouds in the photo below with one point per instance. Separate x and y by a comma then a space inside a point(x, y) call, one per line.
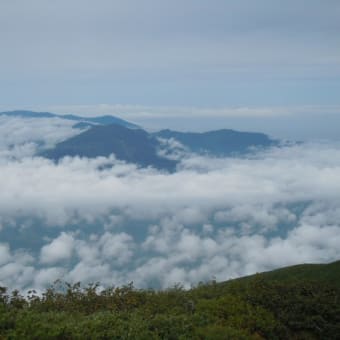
point(104, 220)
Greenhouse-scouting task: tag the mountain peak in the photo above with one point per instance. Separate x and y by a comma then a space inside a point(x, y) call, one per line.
point(103, 120)
point(130, 145)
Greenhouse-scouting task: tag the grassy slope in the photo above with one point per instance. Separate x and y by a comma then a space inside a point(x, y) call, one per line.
point(298, 302)
point(321, 273)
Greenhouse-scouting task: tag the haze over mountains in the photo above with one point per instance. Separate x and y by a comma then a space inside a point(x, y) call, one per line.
point(106, 135)
point(131, 145)
point(142, 148)
point(160, 207)
point(86, 121)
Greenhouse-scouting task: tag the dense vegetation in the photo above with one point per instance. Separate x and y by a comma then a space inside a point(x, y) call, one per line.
point(284, 304)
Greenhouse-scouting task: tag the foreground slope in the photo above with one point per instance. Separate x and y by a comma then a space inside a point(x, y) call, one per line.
point(258, 307)
point(328, 274)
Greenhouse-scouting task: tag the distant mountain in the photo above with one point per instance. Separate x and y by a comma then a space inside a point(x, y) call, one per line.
point(102, 120)
point(139, 147)
point(130, 145)
point(218, 143)
point(83, 125)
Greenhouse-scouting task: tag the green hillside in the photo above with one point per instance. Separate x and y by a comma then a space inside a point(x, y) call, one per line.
point(318, 273)
point(299, 302)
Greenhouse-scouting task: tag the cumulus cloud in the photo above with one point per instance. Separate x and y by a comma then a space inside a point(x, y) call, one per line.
point(22, 137)
point(16, 268)
point(104, 220)
point(59, 249)
point(4, 253)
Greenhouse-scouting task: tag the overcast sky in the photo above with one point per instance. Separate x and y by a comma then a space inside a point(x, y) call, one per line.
point(209, 55)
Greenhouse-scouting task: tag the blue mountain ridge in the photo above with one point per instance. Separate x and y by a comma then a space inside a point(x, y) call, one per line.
point(224, 142)
point(130, 145)
point(87, 121)
point(140, 147)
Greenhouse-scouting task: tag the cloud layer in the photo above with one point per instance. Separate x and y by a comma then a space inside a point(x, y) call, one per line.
point(20, 137)
point(104, 220)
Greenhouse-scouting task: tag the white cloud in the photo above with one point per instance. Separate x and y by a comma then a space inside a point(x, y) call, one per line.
point(46, 277)
point(59, 249)
point(213, 218)
point(116, 248)
point(23, 137)
point(16, 268)
point(142, 113)
point(4, 254)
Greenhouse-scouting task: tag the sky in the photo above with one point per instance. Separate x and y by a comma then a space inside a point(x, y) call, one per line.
point(262, 65)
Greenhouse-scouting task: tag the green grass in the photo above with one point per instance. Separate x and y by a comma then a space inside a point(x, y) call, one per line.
point(298, 302)
point(319, 273)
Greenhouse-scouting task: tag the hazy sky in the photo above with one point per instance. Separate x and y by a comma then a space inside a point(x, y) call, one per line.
point(208, 55)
